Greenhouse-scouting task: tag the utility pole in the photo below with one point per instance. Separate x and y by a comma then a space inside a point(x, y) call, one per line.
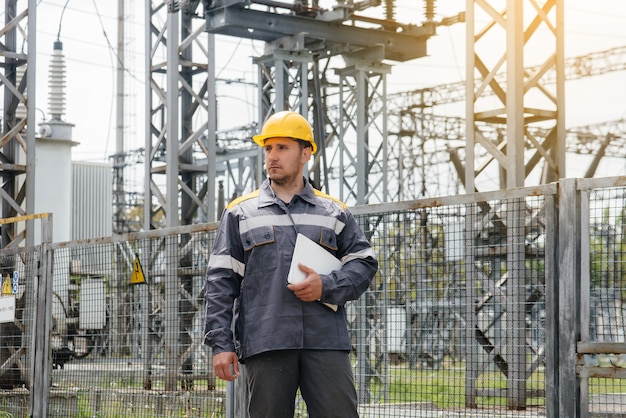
point(119, 159)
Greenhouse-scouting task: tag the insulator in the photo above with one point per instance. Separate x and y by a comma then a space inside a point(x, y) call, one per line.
point(390, 10)
point(173, 6)
point(429, 10)
point(56, 81)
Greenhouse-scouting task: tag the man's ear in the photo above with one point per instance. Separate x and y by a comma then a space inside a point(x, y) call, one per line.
point(306, 154)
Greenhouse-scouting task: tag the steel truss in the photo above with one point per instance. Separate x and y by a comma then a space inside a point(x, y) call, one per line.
point(524, 99)
point(283, 84)
point(17, 167)
point(523, 102)
point(432, 161)
point(17, 152)
point(304, 45)
point(363, 149)
point(414, 120)
point(180, 143)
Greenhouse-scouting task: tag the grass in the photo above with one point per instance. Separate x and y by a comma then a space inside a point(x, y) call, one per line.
point(118, 405)
point(446, 388)
point(602, 385)
point(443, 388)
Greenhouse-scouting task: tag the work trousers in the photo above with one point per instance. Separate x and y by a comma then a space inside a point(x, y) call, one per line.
point(323, 376)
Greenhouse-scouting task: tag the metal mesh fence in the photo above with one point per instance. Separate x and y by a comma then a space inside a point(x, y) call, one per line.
point(128, 329)
point(606, 279)
point(455, 316)
point(17, 276)
point(454, 323)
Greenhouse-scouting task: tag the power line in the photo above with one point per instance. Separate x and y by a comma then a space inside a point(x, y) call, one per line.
point(111, 48)
point(61, 20)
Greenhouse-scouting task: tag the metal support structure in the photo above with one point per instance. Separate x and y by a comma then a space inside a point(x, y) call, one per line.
point(322, 29)
point(434, 145)
point(283, 85)
point(500, 40)
point(42, 324)
point(574, 68)
point(283, 82)
point(515, 305)
point(17, 169)
point(172, 115)
point(18, 55)
point(442, 140)
point(120, 224)
point(297, 36)
point(211, 134)
point(176, 147)
point(523, 102)
point(363, 149)
point(471, 294)
point(177, 121)
point(568, 308)
point(420, 149)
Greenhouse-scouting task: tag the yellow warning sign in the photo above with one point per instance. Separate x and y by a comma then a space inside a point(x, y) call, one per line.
point(137, 277)
point(7, 290)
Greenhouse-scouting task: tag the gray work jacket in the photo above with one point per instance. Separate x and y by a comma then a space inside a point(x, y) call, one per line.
point(247, 274)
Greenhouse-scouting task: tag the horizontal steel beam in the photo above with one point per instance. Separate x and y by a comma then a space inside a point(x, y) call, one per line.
point(243, 22)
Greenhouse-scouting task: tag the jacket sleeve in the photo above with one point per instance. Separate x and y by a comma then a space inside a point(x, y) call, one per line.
point(358, 269)
point(222, 286)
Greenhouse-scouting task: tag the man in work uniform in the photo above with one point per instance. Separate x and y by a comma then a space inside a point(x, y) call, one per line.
point(284, 333)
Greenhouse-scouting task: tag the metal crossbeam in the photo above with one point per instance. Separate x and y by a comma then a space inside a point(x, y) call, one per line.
point(319, 33)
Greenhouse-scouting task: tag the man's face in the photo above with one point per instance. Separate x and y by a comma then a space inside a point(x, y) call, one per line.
point(285, 159)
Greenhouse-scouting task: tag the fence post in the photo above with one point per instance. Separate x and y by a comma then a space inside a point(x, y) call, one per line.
point(568, 299)
point(515, 301)
point(42, 319)
point(238, 396)
point(172, 284)
point(472, 355)
point(551, 297)
point(363, 373)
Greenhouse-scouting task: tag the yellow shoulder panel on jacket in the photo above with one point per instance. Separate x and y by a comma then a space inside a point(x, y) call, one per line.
point(243, 198)
point(327, 196)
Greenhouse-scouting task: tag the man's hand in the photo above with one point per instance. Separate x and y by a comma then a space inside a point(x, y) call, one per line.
point(310, 289)
point(226, 366)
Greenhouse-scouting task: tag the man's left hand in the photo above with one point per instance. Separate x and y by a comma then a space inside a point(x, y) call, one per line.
point(310, 289)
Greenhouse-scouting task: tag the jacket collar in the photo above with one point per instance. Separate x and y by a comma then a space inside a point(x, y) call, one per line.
point(267, 196)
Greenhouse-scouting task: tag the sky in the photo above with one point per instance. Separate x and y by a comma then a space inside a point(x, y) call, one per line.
point(88, 31)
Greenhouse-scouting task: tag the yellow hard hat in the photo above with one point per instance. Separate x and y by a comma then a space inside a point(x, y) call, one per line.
point(286, 124)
